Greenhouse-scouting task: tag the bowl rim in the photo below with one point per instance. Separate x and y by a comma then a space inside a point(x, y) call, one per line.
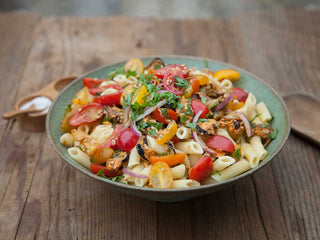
point(155, 190)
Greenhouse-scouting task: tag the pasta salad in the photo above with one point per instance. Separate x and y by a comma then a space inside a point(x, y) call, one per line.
point(166, 126)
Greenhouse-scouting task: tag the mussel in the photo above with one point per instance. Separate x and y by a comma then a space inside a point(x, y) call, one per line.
point(171, 146)
point(154, 63)
point(140, 151)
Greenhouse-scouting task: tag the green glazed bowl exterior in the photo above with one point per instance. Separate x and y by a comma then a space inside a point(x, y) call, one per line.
point(248, 81)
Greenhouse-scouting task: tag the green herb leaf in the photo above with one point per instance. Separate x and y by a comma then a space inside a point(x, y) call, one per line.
point(131, 73)
point(91, 160)
point(116, 178)
point(203, 120)
point(157, 66)
point(101, 173)
point(191, 125)
point(97, 94)
point(181, 82)
point(203, 99)
point(216, 172)
point(183, 118)
point(237, 154)
point(189, 112)
point(164, 112)
point(68, 108)
point(257, 115)
point(274, 133)
point(152, 132)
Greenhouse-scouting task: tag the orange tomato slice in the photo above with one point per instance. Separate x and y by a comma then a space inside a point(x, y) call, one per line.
point(171, 159)
point(161, 176)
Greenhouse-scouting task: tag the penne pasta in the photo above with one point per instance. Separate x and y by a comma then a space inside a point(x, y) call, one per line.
point(258, 147)
point(66, 139)
point(250, 154)
point(223, 162)
point(184, 133)
point(232, 171)
point(178, 171)
point(262, 109)
point(79, 156)
point(185, 183)
point(189, 147)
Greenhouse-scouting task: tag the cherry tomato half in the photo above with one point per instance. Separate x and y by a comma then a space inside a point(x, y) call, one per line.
point(239, 94)
point(95, 168)
point(197, 106)
point(169, 82)
point(201, 169)
point(87, 114)
point(161, 72)
point(220, 143)
point(127, 140)
point(195, 84)
point(99, 90)
point(112, 140)
point(91, 82)
point(157, 114)
point(109, 99)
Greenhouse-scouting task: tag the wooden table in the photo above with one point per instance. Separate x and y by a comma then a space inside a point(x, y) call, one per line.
point(42, 197)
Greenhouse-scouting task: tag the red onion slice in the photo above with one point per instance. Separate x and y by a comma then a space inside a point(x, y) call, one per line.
point(150, 110)
point(199, 140)
point(126, 171)
point(136, 130)
point(246, 122)
point(223, 103)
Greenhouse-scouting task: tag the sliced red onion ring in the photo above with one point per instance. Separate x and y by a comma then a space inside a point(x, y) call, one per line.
point(246, 122)
point(223, 103)
point(135, 129)
point(199, 140)
point(150, 110)
point(126, 171)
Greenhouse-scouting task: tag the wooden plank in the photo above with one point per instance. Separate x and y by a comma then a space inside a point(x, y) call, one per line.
point(17, 151)
point(63, 203)
point(288, 59)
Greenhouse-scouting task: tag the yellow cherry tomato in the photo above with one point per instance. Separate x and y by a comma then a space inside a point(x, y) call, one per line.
point(230, 74)
point(234, 106)
point(82, 97)
point(101, 155)
point(134, 64)
point(128, 89)
point(161, 175)
point(188, 92)
point(140, 95)
point(168, 133)
point(203, 79)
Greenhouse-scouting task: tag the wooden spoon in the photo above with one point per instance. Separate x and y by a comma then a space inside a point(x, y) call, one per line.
point(16, 113)
point(304, 109)
point(50, 91)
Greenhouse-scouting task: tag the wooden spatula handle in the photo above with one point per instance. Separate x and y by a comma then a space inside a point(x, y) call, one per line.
point(16, 113)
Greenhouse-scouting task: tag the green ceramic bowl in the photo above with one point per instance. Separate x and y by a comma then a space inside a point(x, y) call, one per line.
point(248, 81)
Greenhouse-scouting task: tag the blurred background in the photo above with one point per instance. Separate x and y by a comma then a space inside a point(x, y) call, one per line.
point(150, 8)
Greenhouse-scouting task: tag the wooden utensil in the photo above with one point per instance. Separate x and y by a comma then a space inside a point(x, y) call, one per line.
point(304, 109)
point(50, 91)
point(15, 113)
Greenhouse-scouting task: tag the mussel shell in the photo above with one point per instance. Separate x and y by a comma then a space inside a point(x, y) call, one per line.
point(140, 151)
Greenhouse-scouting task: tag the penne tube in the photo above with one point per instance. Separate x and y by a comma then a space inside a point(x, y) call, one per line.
point(79, 156)
point(223, 162)
point(189, 147)
point(66, 139)
point(258, 147)
point(178, 171)
point(232, 171)
point(250, 154)
point(262, 109)
point(184, 133)
point(185, 183)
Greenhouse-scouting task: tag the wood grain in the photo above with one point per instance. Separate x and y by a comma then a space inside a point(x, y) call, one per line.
point(42, 197)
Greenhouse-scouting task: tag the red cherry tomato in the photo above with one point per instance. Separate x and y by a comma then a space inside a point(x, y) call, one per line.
point(201, 169)
point(157, 114)
point(239, 94)
point(169, 82)
point(127, 140)
point(109, 99)
point(195, 84)
point(161, 72)
point(220, 143)
point(95, 168)
point(197, 106)
point(87, 114)
point(99, 90)
point(91, 82)
point(112, 140)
